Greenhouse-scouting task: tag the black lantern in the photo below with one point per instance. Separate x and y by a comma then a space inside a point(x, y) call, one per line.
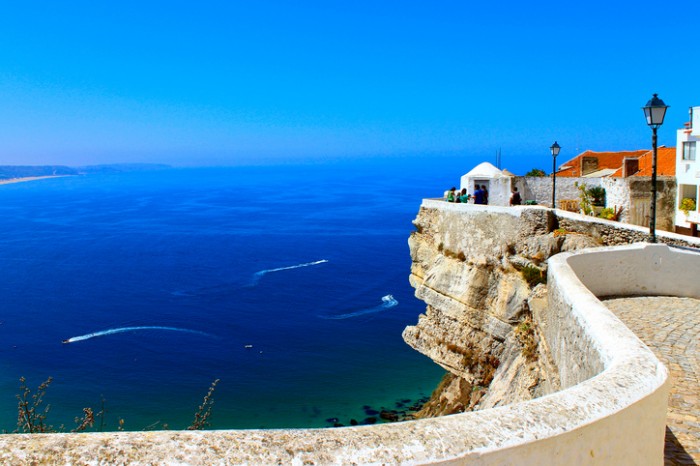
point(654, 112)
point(555, 151)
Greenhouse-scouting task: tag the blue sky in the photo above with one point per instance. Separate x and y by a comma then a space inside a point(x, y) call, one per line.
point(226, 83)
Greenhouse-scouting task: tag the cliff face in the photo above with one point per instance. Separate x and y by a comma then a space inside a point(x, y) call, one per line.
point(471, 267)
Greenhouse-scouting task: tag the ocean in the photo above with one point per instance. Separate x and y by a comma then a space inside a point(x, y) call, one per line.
point(289, 284)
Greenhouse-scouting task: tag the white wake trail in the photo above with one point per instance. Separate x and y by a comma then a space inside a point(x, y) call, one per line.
point(112, 331)
point(388, 302)
point(258, 275)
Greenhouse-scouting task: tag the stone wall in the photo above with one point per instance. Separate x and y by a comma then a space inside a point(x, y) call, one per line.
point(540, 188)
point(634, 195)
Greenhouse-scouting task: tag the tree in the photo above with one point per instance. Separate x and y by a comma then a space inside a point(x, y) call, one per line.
point(536, 172)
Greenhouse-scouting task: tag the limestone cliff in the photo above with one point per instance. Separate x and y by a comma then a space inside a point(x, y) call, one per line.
point(475, 269)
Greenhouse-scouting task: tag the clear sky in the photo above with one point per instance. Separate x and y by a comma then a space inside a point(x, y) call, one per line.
point(261, 81)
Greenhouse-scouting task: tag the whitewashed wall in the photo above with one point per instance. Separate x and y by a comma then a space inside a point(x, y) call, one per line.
point(687, 171)
point(540, 188)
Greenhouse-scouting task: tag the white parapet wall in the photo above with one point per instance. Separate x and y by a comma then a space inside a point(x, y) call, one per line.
point(612, 411)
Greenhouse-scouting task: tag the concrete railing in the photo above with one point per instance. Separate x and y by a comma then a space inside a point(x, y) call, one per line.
point(613, 411)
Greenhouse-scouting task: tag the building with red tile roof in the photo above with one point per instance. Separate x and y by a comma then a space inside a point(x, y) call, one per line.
point(665, 164)
point(619, 164)
point(688, 175)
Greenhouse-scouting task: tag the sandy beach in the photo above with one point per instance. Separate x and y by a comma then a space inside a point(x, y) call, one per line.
point(30, 178)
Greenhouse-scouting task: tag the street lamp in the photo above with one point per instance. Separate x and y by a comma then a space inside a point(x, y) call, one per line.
point(654, 112)
point(555, 151)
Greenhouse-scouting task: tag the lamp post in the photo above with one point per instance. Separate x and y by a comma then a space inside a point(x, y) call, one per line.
point(654, 111)
point(555, 151)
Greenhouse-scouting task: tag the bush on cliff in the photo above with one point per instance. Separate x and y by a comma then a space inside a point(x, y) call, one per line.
point(533, 276)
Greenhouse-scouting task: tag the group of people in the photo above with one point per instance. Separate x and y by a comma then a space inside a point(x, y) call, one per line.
point(480, 195)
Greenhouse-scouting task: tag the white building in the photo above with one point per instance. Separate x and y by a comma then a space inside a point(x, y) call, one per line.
point(688, 170)
point(497, 183)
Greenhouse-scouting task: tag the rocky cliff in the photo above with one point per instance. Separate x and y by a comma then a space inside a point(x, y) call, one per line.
point(480, 273)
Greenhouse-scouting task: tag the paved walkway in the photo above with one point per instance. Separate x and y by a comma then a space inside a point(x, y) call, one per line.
point(671, 328)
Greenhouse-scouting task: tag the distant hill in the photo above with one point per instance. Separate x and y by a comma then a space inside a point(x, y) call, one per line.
point(122, 167)
point(24, 171)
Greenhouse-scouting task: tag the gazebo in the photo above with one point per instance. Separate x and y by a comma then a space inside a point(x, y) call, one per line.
point(496, 181)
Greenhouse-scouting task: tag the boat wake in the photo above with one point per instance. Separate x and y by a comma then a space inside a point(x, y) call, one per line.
point(228, 287)
point(388, 302)
point(258, 275)
point(112, 331)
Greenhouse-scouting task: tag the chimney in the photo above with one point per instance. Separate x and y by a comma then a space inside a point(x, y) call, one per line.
point(630, 166)
point(588, 165)
point(690, 113)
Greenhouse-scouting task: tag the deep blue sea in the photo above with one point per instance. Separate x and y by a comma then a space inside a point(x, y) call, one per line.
point(289, 284)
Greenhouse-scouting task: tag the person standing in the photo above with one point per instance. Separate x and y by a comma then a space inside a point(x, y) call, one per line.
point(486, 194)
point(515, 198)
point(478, 195)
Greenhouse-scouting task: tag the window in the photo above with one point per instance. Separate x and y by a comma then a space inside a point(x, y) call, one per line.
point(689, 150)
point(687, 193)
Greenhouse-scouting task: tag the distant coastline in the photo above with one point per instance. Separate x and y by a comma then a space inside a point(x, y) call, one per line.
point(21, 173)
point(30, 178)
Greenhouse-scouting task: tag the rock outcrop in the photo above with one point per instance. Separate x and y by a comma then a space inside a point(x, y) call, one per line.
point(478, 271)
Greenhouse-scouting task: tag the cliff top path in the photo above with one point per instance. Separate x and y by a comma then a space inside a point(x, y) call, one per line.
point(670, 327)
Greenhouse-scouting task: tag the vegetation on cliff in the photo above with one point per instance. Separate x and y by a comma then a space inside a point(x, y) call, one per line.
point(32, 412)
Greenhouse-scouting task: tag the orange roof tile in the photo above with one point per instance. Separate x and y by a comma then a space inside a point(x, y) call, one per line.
point(573, 167)
point(566, 172)
point(665, 162)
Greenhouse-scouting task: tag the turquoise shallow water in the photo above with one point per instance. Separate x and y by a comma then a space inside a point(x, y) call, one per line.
point(289, 284)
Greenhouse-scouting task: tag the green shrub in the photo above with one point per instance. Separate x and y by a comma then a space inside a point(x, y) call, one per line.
point(536, 172)
point(533, 276)
point(687, 204)
point(525, 334)
point(597, 195)
point(611, 213)
point(585, 198)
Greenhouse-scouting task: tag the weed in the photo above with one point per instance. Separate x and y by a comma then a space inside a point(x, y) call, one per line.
point(479, 362)
point(32, 412)
point(454, 255)
point(525, 334)
point(31, 418)
point(533, 276)
point(611, 213)
point(88, 420)
point(201, 417)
